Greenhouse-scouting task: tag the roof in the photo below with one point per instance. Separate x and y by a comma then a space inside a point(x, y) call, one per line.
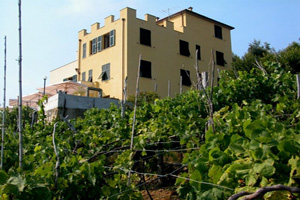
point(196, 15)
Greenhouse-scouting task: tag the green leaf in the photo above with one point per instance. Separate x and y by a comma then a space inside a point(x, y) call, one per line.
point(3, 177)
point(214, 193)
point(17, 181)
point(10, 189)
point(266, 168)
point(251, 179)
point(218, 157)
point(215, 172)
point(295, 167)
point(289, 146)
point(196, 175)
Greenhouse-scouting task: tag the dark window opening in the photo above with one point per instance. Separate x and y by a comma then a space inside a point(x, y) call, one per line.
point(184, 48)
point(145, 37)
point(218, 32)
point(145, 70)
point(90, 76)
point(105, 74)
point(199, 52)
point(220, 58)
point(185, 74)
point(106, 41)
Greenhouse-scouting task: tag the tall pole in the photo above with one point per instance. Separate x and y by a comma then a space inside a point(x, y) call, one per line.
point(135, 105)
point(20, 90)
point(4, 105)
point(44, 92)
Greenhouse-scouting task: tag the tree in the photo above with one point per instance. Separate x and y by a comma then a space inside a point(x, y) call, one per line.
point(256, 52)
point(290, 59)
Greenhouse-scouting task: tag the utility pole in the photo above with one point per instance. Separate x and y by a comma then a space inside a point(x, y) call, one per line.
point(4, 105)
point(20, 90)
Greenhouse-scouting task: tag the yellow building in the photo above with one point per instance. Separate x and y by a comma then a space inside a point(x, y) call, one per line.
point(110, 53)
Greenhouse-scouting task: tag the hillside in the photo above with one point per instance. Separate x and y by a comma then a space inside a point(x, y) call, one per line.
point(255, 143)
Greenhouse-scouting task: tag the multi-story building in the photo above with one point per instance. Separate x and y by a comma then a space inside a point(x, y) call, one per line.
point(110, 53)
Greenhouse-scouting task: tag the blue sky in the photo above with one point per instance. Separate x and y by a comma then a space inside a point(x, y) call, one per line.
point(50, 29)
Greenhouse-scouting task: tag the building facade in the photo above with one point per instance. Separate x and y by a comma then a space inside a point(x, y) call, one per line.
point(109, 54)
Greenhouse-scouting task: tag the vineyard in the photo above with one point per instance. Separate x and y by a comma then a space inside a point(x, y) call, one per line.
point(255, 143)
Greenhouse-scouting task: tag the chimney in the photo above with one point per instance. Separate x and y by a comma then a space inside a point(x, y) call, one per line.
point(190, 8)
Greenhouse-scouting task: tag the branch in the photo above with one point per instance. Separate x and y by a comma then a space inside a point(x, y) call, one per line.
point(57, 166)
point(262, 191)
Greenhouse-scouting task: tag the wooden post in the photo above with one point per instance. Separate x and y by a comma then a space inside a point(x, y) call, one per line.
point(57, 166)
point(123, 101)
point(211, 108)
point(20, 90)
point(135, 106)
point(4, 105)
point(197, 72)
point(180, 90)
point(298, 86)
point(169, 88)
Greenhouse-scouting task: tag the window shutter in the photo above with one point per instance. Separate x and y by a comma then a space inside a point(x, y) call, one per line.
point(99, 44)
point(112, 38)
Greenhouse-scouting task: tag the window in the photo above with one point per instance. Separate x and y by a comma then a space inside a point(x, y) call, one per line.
point(84, 50)
point(145, 70)
point(74, 78)
point(94, 46)
point(184, 48)
point(71, 78)
point(99, 43)
point(145, 37)
point(112, 38)
point(218, 32)
point(105, 41)
point(199, 52)
point(83, 76)
point(185, 74)
point(105, 75)
point(220, 58)
point(90, 79)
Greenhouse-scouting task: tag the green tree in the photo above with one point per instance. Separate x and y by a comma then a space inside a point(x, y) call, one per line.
point(257, 52)
point(290, 58)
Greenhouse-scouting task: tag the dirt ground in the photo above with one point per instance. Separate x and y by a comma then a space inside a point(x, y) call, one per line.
point(161, 194)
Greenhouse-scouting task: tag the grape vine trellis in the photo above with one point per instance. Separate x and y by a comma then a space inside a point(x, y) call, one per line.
point(256, 144)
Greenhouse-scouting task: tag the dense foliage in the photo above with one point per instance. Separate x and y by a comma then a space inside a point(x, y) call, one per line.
point(256, 143)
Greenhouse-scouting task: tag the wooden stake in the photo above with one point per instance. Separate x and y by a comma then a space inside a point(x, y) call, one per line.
point(211, 106)
point(155, 87)
point(4, 105)
point(123, 101)
point(180, 91)
point(20, 90)
point(135, 106)
point(169, 88)
point(298, 86)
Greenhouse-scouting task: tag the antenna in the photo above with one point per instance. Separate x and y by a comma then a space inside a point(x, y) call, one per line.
point(167, 11)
